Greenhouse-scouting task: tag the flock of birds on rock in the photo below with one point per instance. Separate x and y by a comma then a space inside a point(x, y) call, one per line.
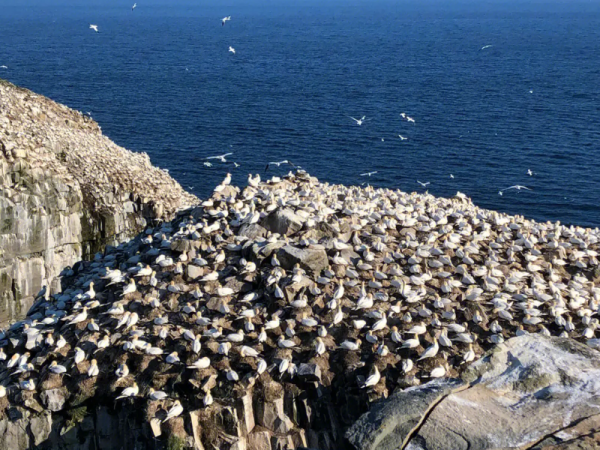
point(412, 288)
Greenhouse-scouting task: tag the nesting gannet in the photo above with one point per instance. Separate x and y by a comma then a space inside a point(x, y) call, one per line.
point(129, 392)
point(373, 378)
point(157, 395)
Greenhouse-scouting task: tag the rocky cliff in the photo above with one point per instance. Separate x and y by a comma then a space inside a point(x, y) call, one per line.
point(274, 316)
point(66, 191)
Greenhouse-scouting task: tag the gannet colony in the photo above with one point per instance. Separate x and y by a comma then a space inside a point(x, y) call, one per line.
point(304, 283)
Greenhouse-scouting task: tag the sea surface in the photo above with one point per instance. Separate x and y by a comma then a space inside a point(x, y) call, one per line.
point(160, 79)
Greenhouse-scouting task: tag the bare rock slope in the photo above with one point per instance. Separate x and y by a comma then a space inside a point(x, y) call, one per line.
point(66, 191)
point(532, 392)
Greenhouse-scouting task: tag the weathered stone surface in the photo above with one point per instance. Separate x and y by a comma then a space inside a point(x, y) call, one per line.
point(41, 427)
point(283, 221)
point(268, 412)
point(246, 413)
point(312, 259)
point(309, 372)
point(194, 272)
point(252, 231)
point(259, 440)
point(529, 391)
point(53, 399)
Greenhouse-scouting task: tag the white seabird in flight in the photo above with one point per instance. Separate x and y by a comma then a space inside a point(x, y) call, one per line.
point(360, 121)
point(220, 157)
point(423, 184)
point(368, 174)
point(231, 49)
point(402, 138)
point(279, 163)
point(485, 46)
point(225, 19)
point(134, 6)
point(518, 187)
point(94, 27)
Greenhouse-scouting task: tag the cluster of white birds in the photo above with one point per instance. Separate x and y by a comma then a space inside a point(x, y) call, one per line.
point(409, 287)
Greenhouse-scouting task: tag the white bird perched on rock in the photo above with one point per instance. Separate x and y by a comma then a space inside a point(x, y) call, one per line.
point(157, 395)
point(373, 378)
point(199, 364)
point(93, 370)
point(129, 392)
point(56, 368)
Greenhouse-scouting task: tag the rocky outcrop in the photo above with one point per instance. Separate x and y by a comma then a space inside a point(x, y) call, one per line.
point(269, 418)
point(532, 392)
point(66, 191)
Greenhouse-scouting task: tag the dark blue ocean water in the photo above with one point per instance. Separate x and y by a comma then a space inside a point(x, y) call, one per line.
point(160, 80)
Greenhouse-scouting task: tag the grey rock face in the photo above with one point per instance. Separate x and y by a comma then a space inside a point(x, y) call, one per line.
point(53, 399)
point(66, 191)
point(528, 390)
point(313, 259)
point(309, 372)
point(283, 221)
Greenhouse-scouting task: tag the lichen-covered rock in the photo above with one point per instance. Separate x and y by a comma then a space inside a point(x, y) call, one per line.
point(283, 221)
point(530, 392)
point(312, 259)
point(66, 191)
point(53, 399)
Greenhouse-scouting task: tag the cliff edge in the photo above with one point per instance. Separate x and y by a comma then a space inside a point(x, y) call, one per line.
point(66, 191)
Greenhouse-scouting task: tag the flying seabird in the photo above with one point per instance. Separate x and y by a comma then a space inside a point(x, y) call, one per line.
point(279, 163)
point(220, 157)
point(368, 174)
point(231, 49)
point(225, 19)
point(360, 121)
point(94, 27)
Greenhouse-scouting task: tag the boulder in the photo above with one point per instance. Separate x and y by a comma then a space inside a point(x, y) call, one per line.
point(259, 440)
point(312, 259)
point(194, 272)
point(283, 221)
point(309, 372)
point(53, 399)
point(252, 231)
point(530, 392)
